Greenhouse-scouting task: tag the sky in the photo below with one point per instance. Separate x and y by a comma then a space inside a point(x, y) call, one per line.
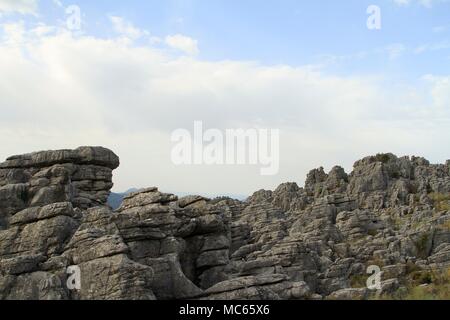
point(131, 72)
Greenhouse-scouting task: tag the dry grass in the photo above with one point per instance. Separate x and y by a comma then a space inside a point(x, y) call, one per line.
point(441, 201)
point(422, 245)
point(358, 281)
point(426, 285)
point(445, 226)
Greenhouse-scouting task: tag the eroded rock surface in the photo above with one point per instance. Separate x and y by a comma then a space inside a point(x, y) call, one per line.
point(314, 242)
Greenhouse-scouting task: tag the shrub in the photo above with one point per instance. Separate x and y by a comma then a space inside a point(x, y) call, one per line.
point(382, 157)
point(376, 262)
point(441, 201)
point(445, 226)
point(422, 277)
point(422, 245)
point(358, 281)
point(436, 287)
point(412, 267)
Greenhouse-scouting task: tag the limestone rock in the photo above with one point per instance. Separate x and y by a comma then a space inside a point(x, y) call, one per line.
point(312, 242)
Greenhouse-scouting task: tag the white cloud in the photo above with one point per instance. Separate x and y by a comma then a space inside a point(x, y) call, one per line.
point(440, 92)
point(442, 45)
point(19, 6)
point(127, 29)
point(42, 29)
point(395, 50)
point(58, 3)
point(59, 91)
point(424, 3)
point(402, 2)
point(183, 43)
point(13, 33)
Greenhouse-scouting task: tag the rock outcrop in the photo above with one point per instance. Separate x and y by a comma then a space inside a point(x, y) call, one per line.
point(60, 240)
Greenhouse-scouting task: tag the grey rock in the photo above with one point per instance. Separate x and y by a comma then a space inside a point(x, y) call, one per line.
point(312, 243)
point(349, 294)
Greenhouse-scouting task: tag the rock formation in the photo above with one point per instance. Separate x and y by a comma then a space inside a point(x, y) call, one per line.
point(314, 242)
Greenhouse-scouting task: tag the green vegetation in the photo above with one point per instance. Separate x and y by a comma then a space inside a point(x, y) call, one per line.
point(445, 226)
point(412, 267)
point(422, 245)
point(441, 201)
point(382, 157)
point(424, 285)
point(376, 262)
point(396, 222)
point(421, 277)
point(435, 286)
point(429, 293)
point(358, 280)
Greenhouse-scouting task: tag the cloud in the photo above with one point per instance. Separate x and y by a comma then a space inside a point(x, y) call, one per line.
point(61, 91)
point(183, 43)
point(57, 3)
point(424, 3)
point(442, 45)
point(402, 2)
point(440, 92)
point(395, 50)
point(127, 29)
point(18, 6)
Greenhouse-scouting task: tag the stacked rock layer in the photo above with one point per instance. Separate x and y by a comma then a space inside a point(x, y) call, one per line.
point(314, 242)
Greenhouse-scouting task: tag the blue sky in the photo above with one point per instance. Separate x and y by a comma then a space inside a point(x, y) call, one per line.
point(137, 70)
point(286, 32)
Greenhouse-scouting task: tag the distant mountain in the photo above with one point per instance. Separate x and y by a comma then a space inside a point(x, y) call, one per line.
point(239, 197)
point(115, 199)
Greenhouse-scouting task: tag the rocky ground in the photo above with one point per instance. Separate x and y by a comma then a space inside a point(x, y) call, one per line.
point(314, 242)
